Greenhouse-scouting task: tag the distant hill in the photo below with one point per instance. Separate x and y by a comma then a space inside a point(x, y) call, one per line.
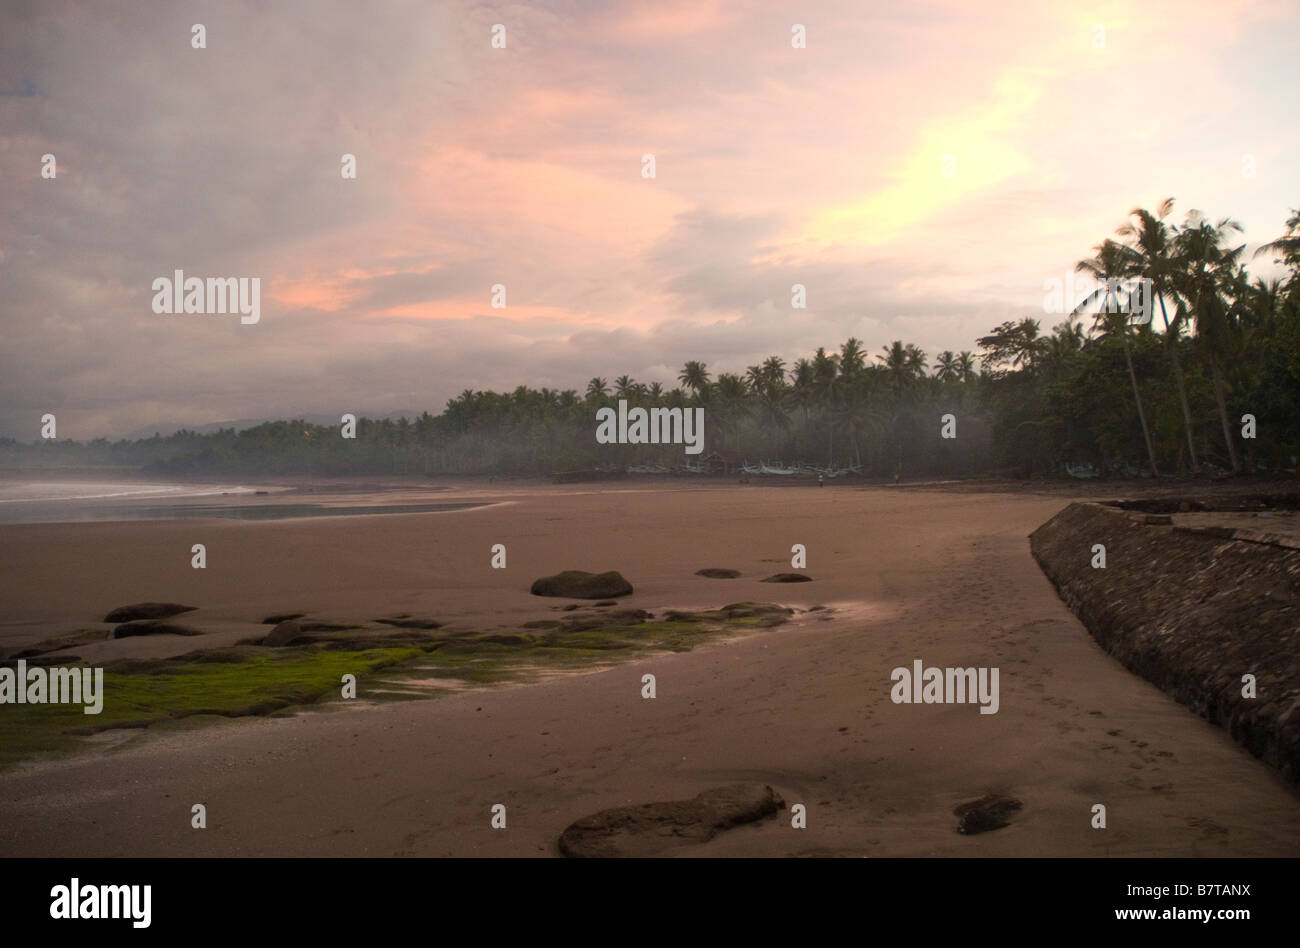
point(240, 424)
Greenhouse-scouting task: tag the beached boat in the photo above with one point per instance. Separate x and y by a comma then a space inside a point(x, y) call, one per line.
point(573, 477)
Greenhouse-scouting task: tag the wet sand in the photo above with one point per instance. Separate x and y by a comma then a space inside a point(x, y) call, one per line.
point(945, 577)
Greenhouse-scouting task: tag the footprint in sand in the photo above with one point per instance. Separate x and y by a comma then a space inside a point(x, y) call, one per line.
point(1208, 827)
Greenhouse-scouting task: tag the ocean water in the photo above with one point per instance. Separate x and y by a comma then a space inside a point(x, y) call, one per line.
point(71, 501)
point(20, 491)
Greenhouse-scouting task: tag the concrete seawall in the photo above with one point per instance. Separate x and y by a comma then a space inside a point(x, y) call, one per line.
point(1192, 610)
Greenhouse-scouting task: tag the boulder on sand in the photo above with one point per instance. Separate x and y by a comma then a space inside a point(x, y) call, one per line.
point(147, 610)
point(576, 584)
point(788, 578)
point(651, 828)
point(987, 813)
point(718, 573)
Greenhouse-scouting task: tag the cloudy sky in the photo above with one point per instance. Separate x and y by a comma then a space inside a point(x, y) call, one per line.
point(523, 166)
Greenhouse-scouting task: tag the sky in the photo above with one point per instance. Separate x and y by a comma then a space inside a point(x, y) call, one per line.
point(921, 168)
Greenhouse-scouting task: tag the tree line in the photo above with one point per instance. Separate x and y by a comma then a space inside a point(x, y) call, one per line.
point(1100, 392)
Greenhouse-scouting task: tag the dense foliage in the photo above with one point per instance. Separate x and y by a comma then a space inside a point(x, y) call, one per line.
point(1097, 391)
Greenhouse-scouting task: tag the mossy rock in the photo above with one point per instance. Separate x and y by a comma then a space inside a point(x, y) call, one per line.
point(602, 620)
point(411, 622)
point(147, 610)
point(286, 633)
point(131, 629)
point(754, 610)
point(499, 639)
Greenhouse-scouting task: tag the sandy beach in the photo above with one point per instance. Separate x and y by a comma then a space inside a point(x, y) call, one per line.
point(941, 576)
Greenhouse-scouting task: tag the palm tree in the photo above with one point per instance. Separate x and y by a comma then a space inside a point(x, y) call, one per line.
point(852, 358)
point(1058, 349)
point(1287, 247)
point(768, 383)
point(853, 383)
point(731, 386)
point(1206, 267)
point(825, 369)
point(915, 362)
point(695, 376)
point(894, 359)
point(1108, 267)
point(904, 365)
point(1260, 303)
point(803, 386)
point(774, 371)
point(946, 370)
point(597, 388)
point(624, 386)
point(966, 367)
point(1151, 258)
point(730, 402)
